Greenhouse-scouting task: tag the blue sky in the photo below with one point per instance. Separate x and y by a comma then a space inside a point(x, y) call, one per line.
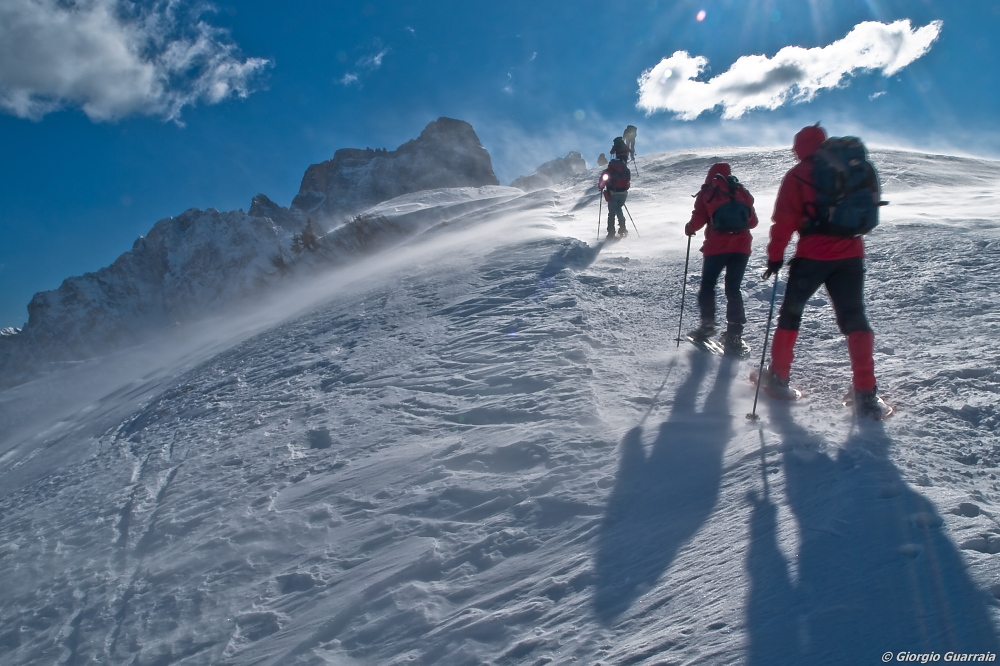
point(122, 114)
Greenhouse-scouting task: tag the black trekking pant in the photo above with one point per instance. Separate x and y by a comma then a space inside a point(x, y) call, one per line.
point(735, 264)
point(616, 204)
point(845, 283)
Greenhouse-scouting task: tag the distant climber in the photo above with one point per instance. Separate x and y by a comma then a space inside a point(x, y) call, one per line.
point(614, 182)
point(629, 136)
point(620, 149)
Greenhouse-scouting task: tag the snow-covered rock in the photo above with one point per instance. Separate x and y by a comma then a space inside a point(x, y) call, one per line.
point(202, 261)
point(446, 154)
point(187, 265)
point(552, 172)
point(290, 220)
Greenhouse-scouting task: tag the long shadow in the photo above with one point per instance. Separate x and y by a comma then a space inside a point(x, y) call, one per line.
point(661, 499)
point(875, 571)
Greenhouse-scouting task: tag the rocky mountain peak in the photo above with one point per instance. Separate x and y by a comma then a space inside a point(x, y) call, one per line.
point(202, 261)
point(447, 153)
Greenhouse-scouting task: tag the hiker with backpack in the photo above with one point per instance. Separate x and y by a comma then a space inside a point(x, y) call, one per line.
point(614, 183)
point(620, 149)
point(724, 208)
point(830, 198)
point(629, 137)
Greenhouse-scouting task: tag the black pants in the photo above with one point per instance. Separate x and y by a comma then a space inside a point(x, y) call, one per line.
point(615, 205)
point(845, 282)
point(735, 264)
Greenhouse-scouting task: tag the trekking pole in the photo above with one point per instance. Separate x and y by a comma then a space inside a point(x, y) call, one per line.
point(600, 209)
point(635, 164)
point(633, 221)
point(763, 354)
point(680, 323)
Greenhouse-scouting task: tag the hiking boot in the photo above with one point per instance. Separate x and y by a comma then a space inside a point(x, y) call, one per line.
point(611, 234)
point(868, 404)
point(733, 344)
point(777, 387)
point(622, 230)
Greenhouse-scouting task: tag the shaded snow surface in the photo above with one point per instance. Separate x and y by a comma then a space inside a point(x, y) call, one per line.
point(485, 447)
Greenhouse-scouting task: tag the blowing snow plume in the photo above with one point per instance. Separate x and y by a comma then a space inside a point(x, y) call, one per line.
point(795, 74)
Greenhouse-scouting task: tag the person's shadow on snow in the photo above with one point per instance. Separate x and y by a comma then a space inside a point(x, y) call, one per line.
point(661, 499)
point(875, 572)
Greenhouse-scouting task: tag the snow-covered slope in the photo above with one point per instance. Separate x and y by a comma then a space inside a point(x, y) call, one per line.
point(484, 446)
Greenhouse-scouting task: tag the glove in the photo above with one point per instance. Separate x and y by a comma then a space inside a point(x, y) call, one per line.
point(687, 230)
point(772, 268)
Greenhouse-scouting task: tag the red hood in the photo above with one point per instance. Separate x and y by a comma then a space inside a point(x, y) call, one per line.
point(720, 168)
point(807, 140)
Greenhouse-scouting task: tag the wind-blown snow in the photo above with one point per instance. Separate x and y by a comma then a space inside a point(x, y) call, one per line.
point(484, 446)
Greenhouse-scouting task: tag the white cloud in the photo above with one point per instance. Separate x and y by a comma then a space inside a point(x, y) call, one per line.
point(373, 61)
point(795, 74)
point(113, 58)
point(368, 63)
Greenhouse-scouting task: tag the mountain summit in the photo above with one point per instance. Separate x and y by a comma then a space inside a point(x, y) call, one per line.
point(446, 154)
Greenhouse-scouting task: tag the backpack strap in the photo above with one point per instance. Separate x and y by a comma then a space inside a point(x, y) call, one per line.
point(732, 184)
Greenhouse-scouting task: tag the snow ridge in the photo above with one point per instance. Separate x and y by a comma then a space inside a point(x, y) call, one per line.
point(552, 172)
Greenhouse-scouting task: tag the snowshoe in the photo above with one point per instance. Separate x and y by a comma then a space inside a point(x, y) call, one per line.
point(867, 404)
point(705, 343)
point(703, 332)
point(774, 386)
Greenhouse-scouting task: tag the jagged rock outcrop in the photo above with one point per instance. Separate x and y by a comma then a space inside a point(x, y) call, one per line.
point(446, 154)
point(552, 172)
point(204, 261)
point(290, 220)
point(186, 266)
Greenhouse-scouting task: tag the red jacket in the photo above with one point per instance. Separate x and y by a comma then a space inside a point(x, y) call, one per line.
point(707, 202)
point(617, 177)
point(798, 191)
